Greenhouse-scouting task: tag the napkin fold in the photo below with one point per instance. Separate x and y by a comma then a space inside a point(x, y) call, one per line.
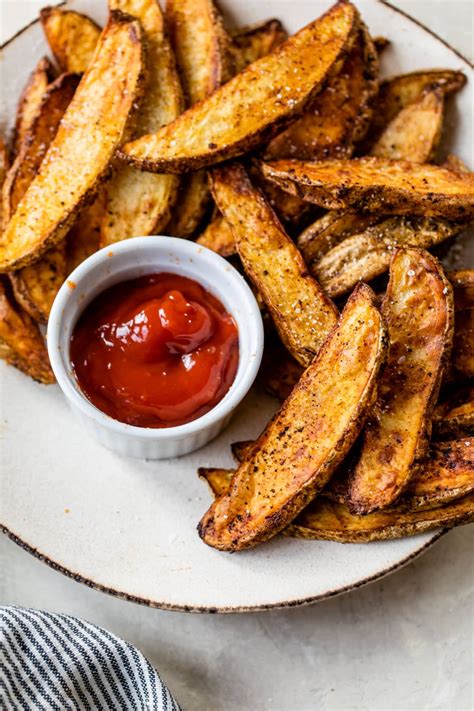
point(55, 662)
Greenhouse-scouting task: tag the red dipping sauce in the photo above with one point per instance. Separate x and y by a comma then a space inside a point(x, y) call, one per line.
point(156, 351)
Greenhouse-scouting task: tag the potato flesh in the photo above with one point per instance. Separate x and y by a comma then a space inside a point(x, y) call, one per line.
point(251, 43)
point(379, 185)
point(419, 346)
point(302, 313)
point(235, 120)
point(141, 203)
point(90, 131)
point(219, 237)
point(301, 447)
point(71, 36)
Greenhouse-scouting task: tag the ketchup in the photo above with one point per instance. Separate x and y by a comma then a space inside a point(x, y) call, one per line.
point(156, 351)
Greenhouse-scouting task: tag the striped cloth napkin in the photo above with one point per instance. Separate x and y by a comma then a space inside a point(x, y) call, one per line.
point(55, 662)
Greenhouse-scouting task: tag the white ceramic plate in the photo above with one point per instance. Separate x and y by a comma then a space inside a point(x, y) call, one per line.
point(128, 527)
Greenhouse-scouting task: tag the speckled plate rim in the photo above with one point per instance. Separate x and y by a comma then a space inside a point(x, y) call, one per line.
point(29, 548)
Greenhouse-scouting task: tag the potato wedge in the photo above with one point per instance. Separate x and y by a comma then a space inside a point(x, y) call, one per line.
point(454, 416)
point(203, 53)
point(381, 43)
point(88, 136)
point(395, 432)
point(71, 36)
point(340, 114)
point(30, 101)
point(462, 282)
point(219, 237)
point(142, 203)
point(379, 185)
point(251, 43)
point(234, 119)
point(302, 313)
point(400, 91)
point(447, 474)
point(330, 230)
point(303, 444)
point(330, 521)
point(367, 255)
point(21, 343)
point(36, 286)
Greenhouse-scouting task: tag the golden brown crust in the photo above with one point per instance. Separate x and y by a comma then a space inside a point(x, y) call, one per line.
point(4, 167)
point(302, 313)
point(235, 120)
point(88, 136)
point(255, 41)
point(35, 287)
point(21, 344)
point(420, 344)
point(30, 101)
point(83, 239)
point(340, 114)
point(140, 204)
point(379, 185)
point(72, 37)
point(301, 447)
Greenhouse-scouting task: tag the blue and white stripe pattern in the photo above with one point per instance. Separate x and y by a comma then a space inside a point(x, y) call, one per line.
point(55, 662)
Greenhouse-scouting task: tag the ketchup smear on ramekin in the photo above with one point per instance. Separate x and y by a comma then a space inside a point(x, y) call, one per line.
point(156, 351)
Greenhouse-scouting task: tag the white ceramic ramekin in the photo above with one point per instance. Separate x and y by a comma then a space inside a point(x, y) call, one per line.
point(127, 260)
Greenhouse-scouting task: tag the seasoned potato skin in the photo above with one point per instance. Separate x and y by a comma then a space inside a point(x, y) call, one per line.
point(394, 435)
point(234, 120)
point(21, 343)
point(454, 415)
point(30, 101)
point(379, 185)
point(302, 313)
point(102, 103)
point(302, 446)
point(463, 346)
point(219, 237)
point(255, 41)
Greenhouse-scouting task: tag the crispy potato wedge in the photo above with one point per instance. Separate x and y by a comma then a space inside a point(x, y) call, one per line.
point(414, 133)
point(83, 239)
point(463, 346)
point(379, 185)
point(21, 343)
point(330, 521)
point(397, 93)
point(395, 432)
point(142, 203)
point(234, 120)
point(462, 282)
point(255, 41)
point(87, 138)
point(71, 36)
point(454, 417)
point(381, 43)
point(30, 101)
point(367, 255)
point(203, 53)
point(340, 114)
point(219, 237)
point(302, 313)
point(36, 286)
point(446, 475)
point(303, 444)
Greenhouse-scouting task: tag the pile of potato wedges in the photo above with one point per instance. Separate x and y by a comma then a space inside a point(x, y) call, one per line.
point(290, 156)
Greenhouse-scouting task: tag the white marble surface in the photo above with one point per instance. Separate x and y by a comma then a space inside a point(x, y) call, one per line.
point(403, 643)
